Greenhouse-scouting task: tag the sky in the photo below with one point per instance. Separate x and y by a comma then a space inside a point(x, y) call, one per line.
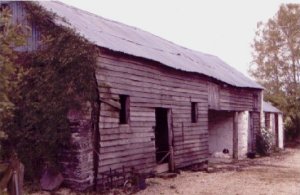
point(218, 27)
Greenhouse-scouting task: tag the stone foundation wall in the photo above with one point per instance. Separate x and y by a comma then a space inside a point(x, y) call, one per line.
point(78, 160)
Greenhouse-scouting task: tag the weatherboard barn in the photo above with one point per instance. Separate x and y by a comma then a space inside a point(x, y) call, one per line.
point(161, 106)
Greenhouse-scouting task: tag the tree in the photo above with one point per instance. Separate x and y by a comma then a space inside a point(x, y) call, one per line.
point(11, 36)
point(276, 60)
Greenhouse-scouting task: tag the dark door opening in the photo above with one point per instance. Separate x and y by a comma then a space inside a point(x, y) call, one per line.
point(162, 136)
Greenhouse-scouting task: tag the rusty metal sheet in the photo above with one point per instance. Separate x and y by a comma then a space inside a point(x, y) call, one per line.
point(133, 41)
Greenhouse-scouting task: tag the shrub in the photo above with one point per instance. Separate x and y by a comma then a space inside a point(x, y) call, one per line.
point(264, 142)
point(57, 77)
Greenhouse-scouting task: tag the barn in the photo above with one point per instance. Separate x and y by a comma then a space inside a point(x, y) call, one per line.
point(273, 122)
point(162, 106)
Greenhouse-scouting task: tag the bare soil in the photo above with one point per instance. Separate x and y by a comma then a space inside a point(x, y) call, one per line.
point(276, 174)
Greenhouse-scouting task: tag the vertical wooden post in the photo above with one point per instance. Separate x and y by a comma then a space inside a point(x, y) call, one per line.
point(170, 133)
point(96, 108)
point(251, 133)
point(235, 135)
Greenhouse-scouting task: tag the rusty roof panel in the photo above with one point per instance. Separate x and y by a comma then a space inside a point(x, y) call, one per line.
point(133, 41)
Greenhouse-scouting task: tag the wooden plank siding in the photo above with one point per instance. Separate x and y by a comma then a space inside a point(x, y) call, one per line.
point(236, 99)
point(149, 86)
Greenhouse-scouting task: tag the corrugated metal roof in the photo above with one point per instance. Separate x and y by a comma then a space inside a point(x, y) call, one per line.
point(133, 41)
point(268, 107)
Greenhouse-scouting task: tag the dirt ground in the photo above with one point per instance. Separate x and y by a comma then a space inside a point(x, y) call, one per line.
point(277, 174)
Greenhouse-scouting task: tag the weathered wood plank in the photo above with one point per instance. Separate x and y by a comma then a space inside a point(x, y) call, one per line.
point(150, 71)
point(126, 153)
point(126, 147)
point(124, 141)
point(126, 159)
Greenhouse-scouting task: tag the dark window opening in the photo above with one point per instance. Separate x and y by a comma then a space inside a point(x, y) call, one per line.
point(194, 112)
point(124, 111)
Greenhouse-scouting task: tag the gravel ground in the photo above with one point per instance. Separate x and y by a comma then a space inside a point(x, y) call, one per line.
point(279, 174)
point(275, 175)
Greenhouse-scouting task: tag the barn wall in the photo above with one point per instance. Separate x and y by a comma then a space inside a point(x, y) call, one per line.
point(148, 87)
point(220, 131)
point(223, 97)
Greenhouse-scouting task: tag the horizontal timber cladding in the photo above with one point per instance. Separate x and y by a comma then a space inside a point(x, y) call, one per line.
point(148, 86)
point(234, 99)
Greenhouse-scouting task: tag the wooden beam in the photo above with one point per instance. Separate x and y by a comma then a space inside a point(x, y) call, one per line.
point(235, 135)
point(171, 138)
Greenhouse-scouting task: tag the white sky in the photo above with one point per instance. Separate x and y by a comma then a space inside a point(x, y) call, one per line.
point(224, 28)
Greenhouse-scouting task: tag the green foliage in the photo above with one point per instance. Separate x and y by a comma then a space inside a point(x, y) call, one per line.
point(11, 36)
point(292, 126)
point(276, 60)
point(264, 142)
point(59, 76)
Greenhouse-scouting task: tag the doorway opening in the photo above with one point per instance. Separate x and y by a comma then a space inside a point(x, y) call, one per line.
point(161, 135)
point(162, 140)
point(221, 133)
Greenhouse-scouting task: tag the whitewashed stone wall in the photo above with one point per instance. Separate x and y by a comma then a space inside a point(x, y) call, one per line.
point(243, 130)
point(280, 132)
point(221, 133)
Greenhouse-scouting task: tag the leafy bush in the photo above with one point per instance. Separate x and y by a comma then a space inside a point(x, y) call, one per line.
point(57, 77)
point(264, 142)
